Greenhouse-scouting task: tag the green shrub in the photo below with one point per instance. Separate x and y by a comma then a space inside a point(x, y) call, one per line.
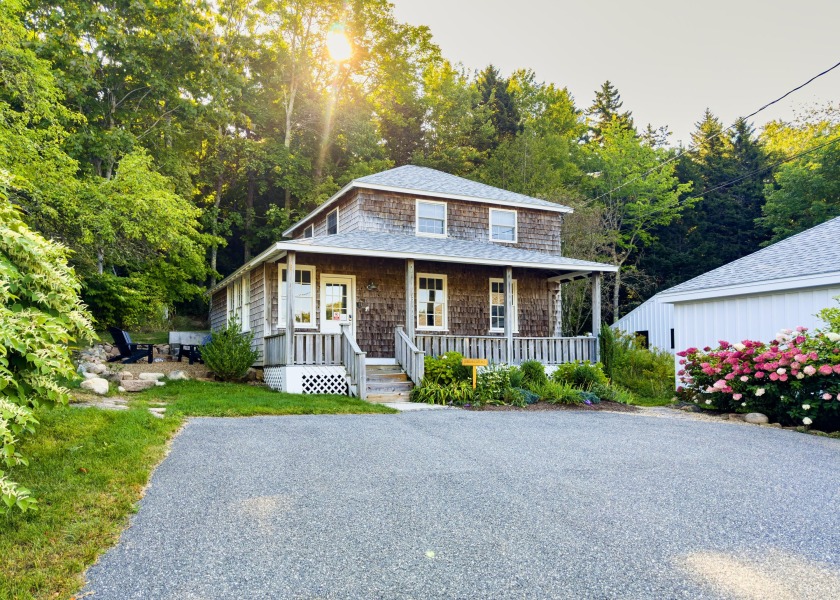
point(513, 397)
point(613, 393)
point(559, 393)
point(581, 375)
point(445, 369)
point(40, 316)
point(607, 347)
point(646, 373)
point(517, 377)
point(533, 374)
point(457, 394)
point(529, 396)
point(493, 382)
point(229, 354)
point(589, 397)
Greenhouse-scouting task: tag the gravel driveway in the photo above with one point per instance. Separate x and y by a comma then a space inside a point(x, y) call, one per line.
point(456, 504)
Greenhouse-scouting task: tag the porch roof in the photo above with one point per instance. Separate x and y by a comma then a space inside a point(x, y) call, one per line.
point(390, 245)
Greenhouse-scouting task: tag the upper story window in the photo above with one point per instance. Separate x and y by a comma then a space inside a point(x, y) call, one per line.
point(332, 222)
point(304, 297)
point(431, 218)
point(239, 302)
point(502, 225)
point(309, 231)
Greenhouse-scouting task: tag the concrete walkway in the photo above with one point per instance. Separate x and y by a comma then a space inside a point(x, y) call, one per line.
point(459, 504)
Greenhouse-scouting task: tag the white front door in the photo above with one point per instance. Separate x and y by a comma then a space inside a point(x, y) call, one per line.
point(338, 301)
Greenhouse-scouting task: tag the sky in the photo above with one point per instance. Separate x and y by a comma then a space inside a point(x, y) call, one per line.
point(669, 59)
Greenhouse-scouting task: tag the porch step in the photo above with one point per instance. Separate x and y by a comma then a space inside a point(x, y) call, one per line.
point(387, 383)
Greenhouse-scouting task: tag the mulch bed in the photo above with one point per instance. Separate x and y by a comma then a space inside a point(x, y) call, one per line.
point(542, 406)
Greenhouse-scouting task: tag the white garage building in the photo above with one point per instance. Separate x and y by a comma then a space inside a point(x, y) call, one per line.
point(781, 286)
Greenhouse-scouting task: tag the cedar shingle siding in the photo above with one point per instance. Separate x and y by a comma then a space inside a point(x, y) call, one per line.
point(378, 312)
point(389, 212)
point(218, 310)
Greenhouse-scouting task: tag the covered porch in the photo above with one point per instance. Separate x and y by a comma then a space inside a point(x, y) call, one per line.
point(386, 315)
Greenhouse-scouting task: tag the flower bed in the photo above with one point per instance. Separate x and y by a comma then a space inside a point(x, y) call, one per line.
point(794, 379)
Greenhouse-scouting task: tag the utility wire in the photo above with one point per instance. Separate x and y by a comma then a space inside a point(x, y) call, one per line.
point(711, 137)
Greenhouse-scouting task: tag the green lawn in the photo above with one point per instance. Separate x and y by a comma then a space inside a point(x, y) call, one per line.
point(209, 399)
point(87, 469)
point(661, 401)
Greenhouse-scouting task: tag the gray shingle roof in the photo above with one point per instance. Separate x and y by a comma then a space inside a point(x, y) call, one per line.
point(423, 179)
point(811, 252)
point(446, 249)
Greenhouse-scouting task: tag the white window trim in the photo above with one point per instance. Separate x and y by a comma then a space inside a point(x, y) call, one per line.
point(417, 231)
point(515, 226)
point(239, 301)
point(337, 222)
point(311, 230)
point(281, 312)
point(445, 326)
point(515, 306)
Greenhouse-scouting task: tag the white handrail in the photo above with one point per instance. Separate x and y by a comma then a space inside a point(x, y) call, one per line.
point(354, 361)
point(409, 356)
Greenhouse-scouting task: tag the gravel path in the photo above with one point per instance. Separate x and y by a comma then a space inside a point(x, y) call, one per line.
point(457, 504)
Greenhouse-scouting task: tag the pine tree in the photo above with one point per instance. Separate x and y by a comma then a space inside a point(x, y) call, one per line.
point(605, 109)
point(497, 99)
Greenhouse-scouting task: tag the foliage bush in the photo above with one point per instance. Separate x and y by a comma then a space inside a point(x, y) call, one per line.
point(493, 382)
point(445, 369)
point(458, 394)
point(559, 393)
point(40, 316)
point(533, 374)
point(229, 354)
point(794, 379)
point(607, 347)
point(580, 374)
point(517, 377)
point(613, 393)
point(645, 372)
point(529, 396)
point(831, 316)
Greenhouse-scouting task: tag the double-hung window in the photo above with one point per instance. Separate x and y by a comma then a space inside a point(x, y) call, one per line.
point(431, 301)
point(304, 298)
point(431, 218)
point(497, 306)
point(239, 302)
point(332, 222)
point(309, 231)
point(502, 225)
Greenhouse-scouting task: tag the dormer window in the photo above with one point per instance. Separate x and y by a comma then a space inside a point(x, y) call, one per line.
point(309, 231)
point(332, 222)
point(502, 225)
point(431, 218)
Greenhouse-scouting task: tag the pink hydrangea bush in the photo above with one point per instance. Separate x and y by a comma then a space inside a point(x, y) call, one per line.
point(794, 379)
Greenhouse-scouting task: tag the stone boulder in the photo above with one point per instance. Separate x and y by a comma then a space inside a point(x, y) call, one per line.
point(137, 385)
point(97, 368)
point(97, 385)
point(150, 376)
point(756, 418)
point(126, 375)
point(178, 375)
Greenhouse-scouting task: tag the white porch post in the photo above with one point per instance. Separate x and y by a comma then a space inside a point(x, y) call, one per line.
point(509, 313)
point(410, 305)
point(557, 311)
point(290, 307)
point(596, 310)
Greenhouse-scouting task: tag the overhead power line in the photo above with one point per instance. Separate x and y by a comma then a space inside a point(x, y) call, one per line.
point(711, 137)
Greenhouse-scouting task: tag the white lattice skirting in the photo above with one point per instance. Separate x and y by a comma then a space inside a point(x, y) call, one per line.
point(307, 379)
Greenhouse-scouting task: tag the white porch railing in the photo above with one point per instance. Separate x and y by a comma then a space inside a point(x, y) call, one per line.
point(408, 356)
point(550, 351)
point(354, 361)
point(320, 349)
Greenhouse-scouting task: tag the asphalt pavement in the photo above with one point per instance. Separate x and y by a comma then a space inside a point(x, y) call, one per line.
point(458, 504)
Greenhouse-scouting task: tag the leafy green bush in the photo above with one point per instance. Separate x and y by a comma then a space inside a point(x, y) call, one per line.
point(517, 377)
point(613, 393)
point(458, 394)
point(40, 315)
point(559, 393)
point(607, 347)
point(533, 374)
point(831, 316)
point(581, 375)
point(589, 397)
point(513, 397)
point(529, 396)
point(493, 382)
point(229, 354)
point(646, 373)
point(445, 369)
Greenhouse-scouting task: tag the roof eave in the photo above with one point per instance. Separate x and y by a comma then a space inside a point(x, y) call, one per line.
point(757, 287)
point(264, 256)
